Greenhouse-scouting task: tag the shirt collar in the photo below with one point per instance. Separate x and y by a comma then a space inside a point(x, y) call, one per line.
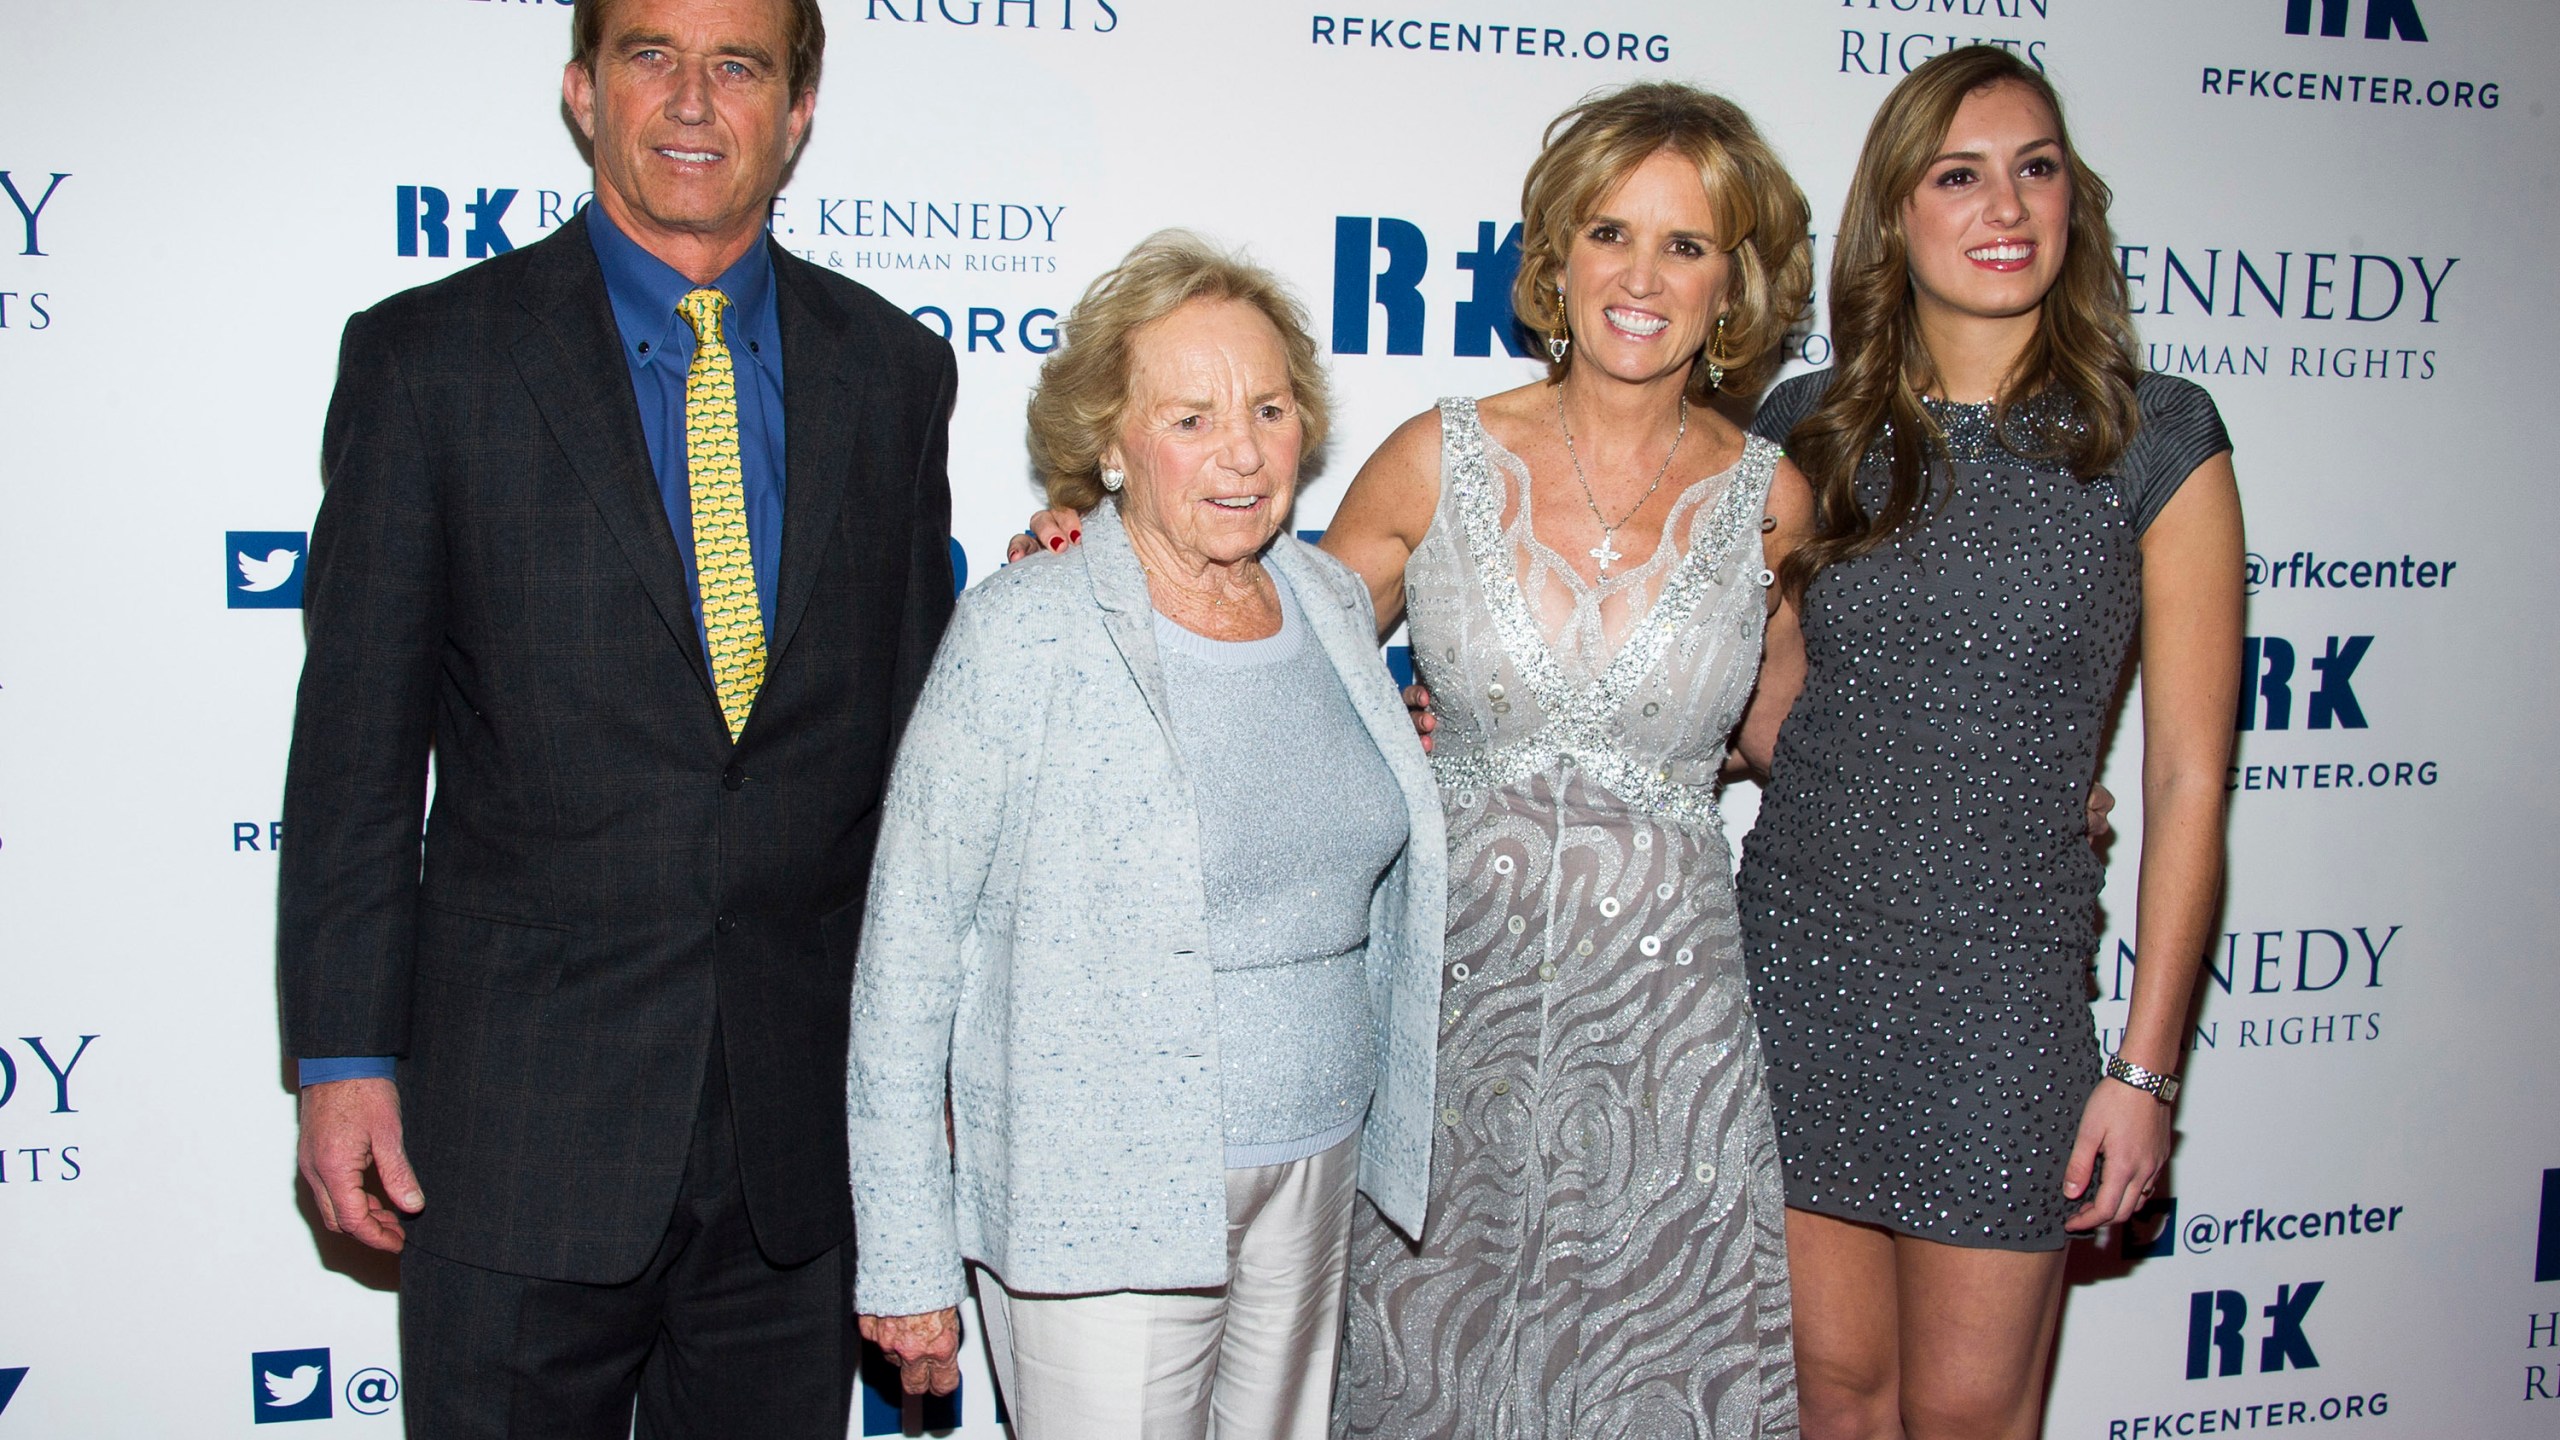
point(644, 290)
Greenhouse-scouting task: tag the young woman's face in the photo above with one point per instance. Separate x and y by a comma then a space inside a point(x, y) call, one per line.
point(1992, 215)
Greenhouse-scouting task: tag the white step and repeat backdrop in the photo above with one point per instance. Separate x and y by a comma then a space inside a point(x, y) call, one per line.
point(2335, 213)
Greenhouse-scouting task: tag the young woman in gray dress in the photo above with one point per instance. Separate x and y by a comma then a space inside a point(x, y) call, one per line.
point(2003, 504)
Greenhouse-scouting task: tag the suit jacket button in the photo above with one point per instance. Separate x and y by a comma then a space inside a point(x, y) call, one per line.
point(733, 778)
point(724, 924)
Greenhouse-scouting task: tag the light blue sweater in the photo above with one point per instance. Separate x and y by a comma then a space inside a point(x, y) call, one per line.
point(1037, 933)
point(1299, 820)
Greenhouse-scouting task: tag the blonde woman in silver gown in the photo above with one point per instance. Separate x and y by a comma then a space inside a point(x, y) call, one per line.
point(1582, 565)
point(1585, 563)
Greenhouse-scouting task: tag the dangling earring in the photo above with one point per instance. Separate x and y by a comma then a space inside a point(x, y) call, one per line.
point(1562, 340)
point(1715, 372)
point(1113, 477)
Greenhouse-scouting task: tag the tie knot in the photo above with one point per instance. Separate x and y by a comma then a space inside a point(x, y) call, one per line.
point(701, 310)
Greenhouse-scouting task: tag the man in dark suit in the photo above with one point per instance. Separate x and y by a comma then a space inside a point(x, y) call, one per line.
point(641, 532)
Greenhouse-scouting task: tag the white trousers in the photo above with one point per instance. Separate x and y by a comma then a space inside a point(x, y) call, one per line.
point(1251, 1361)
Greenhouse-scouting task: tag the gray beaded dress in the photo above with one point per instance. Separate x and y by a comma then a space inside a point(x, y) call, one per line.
point(1604, 1254)
point(1919, 900)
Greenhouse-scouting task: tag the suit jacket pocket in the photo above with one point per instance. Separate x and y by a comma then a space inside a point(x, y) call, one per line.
point(486, 952)
point(840, 930)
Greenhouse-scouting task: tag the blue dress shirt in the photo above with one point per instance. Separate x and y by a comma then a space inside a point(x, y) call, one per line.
point(657, 345)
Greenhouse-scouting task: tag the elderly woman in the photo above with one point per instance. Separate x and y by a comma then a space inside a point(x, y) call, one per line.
point(1161, 891)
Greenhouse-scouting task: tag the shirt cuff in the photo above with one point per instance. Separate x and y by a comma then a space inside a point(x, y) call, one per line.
point(347, 1067)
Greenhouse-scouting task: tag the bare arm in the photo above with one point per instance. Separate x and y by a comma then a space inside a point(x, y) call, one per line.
point(1387, 511)
point(1782, 661)
point(2191, 562)
point(2191, 603)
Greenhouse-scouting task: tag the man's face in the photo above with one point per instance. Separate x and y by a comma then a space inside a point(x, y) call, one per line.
point(691, 114)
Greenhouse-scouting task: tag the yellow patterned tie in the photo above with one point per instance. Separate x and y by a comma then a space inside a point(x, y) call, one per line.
point(724, 568)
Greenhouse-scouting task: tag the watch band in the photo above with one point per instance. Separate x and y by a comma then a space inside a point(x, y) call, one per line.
point(2163, 1088)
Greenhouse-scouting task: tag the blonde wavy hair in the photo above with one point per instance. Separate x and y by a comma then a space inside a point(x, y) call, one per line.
point(1761, 217)
point(1083, 393)
point(2082, 353)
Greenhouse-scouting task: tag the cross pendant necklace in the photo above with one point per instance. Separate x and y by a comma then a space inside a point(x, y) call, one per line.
point(1606, 552)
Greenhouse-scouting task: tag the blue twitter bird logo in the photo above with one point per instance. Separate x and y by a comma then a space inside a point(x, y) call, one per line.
point(289, 1385)
point(260, 576)
point(291, 1389)
point(264, 568)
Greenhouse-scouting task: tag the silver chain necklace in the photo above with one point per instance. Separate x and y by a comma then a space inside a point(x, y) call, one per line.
point(1605, 552)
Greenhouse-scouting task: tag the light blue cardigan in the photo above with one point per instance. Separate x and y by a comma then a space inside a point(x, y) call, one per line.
point(1037, 929)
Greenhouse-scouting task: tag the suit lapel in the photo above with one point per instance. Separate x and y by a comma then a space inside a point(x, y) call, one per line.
point(1128, 616)
point(1120, 588)
point(823, 398)
point(570, 359)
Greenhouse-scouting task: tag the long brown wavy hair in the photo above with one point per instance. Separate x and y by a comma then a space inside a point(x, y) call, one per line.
point(1761, 217)
point(2083, 349)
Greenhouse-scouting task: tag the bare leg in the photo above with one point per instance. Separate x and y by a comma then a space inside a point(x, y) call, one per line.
point(1848, 1337)
point(1976, 1327)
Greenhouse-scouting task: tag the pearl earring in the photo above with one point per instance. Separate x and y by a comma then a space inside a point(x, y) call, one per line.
point(1113, 477)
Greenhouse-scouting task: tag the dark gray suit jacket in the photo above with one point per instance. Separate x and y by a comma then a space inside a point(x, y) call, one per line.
point(493, 581)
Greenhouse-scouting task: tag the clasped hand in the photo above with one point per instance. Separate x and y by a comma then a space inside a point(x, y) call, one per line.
point(926, 1348)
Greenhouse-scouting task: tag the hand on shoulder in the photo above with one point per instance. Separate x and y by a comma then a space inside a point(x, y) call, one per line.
point(1052, 530)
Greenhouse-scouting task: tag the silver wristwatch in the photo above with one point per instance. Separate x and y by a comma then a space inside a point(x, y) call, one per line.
point(2163, 1088)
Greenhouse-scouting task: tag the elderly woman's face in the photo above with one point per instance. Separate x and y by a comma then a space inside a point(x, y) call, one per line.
point(1211, 437)
point(1646, 278)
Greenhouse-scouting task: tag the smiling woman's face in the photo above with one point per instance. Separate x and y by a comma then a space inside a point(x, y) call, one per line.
point(1645, 279)
point(1212, 435)
point(1991, 218)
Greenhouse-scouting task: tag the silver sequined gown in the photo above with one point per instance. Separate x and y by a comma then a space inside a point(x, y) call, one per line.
point(1918, 896)
point(1604, 1255)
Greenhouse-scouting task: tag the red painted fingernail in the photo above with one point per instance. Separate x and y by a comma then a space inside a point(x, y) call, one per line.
point(1075, 534)
point(1057, 544)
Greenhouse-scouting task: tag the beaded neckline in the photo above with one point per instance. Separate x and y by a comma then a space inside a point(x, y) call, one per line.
point(1973, 434)
point(1578, 718)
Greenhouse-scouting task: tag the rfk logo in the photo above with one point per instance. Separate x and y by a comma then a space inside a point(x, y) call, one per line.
point(2218, 1324)
point(426, 220)
point(2267, 684)
point(1483, 318)
point(2382, 18)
